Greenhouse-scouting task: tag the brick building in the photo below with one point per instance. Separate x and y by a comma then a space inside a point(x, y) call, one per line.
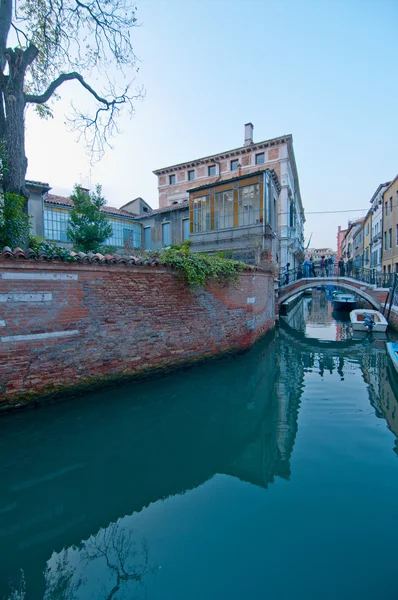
point(175, 182)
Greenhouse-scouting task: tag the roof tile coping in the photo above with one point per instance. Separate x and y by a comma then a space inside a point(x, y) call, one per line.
point(91, 258)
point(63, 201)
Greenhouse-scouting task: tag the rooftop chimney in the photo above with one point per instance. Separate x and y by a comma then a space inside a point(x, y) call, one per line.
point(248, 134)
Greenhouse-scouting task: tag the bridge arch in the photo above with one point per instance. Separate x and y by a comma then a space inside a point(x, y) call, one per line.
point(357, 287)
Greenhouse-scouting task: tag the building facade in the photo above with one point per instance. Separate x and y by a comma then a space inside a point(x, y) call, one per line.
point(377, 228)
point(357, 246)
point(50, 217)
point(351, 248)
point(238, 216)
point(167, 226)
point(340, 236)
point(367, 240)
point(176, 181)
point(390, 228)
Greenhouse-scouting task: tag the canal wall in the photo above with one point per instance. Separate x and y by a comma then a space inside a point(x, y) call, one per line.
point(66, 327)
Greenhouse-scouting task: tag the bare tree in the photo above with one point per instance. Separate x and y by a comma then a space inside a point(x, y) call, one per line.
point(60, 41)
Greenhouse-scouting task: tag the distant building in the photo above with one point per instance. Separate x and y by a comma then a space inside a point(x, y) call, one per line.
point(317, 254)
point(350, 247)
point(340, 236)
point(357, 244)
point(367, 240)
point(175, 183)
point(390, 228)
point(377, 227)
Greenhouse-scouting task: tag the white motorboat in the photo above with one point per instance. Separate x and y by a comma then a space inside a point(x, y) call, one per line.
point(344, 301)
point(368, 320)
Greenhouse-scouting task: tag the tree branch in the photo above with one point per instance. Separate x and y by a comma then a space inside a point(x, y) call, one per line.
point(41, 99)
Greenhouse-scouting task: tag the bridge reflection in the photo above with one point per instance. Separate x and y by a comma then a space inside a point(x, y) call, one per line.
point(70, 473)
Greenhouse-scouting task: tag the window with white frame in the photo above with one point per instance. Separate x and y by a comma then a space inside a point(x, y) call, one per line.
point(224, 210)
point(249, 205)
point(201, 214)
point(56, 224)
point(212, 170)
point(124, 234)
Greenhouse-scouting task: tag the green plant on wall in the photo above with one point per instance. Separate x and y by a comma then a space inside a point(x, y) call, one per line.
point(88, 227)
point(199, 268)
point(14, 221)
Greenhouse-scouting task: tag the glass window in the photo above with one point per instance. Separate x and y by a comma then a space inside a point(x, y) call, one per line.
point(385, 240)
point(260, 159)
point(191, 175)
point(391, 204)
point(201, 214)
point(147, 238)
point(390, 238)
point(249, 205)
point(386, 208)
point(56, 224)
point(125, 234)
point(172, 179)
point(212, 170)
point(166, 234)
point(224, 210)
point(185, 229)
point(234, 164)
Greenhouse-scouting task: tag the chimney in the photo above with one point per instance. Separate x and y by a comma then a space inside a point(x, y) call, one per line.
point(248, 134)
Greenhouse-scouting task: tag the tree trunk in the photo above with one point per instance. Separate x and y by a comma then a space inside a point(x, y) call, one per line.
point(14, 138)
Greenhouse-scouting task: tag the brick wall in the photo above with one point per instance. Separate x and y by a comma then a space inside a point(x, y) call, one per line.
point(67, 326)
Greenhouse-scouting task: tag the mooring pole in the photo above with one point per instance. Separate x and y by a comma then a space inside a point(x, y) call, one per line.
point(394, 287)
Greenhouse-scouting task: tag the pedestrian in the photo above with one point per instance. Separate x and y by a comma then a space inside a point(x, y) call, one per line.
point(312, 268)
point(307, 268)
point(340, 264)
point(323, 266)
point(299, 271)
point(330, 266)
point(286, 273)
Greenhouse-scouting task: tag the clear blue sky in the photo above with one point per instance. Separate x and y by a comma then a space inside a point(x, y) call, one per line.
point(323, 70)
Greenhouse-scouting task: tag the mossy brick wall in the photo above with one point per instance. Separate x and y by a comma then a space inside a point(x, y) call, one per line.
point(64, 327)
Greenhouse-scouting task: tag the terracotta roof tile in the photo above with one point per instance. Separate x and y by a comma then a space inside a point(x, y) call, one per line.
point(62, 201)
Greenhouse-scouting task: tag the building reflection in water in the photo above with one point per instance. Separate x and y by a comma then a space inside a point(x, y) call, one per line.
point(73, 471)
point(75, 474)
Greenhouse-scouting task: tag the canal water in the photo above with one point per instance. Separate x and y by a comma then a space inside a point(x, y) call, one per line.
point(271, 474)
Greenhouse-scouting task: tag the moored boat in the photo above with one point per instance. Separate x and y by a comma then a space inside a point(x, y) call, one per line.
point(368, 320)
point(392, 349)
point(344, 301)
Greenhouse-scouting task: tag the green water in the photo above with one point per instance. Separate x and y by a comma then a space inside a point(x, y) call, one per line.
point(269, 475)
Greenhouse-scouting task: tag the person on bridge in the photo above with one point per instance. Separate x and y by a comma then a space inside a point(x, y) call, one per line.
point(341, 267)
point(323, 266)
point(307, 267)
point(286, 273)
point(312, 268)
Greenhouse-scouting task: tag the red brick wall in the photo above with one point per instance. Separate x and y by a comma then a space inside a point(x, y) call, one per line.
point(123, 321)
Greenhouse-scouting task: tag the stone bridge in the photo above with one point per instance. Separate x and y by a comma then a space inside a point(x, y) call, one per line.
point(371, 293)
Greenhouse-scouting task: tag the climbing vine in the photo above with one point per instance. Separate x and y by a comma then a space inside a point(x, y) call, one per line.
point(199, 268)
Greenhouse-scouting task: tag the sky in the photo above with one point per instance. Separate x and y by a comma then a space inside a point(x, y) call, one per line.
point(323, 70)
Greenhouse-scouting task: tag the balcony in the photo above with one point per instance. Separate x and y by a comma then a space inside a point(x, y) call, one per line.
point(376, 237)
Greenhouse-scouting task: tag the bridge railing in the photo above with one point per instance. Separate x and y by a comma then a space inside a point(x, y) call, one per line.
point(369, 276)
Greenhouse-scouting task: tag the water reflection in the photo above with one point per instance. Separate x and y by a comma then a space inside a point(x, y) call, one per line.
point(76, 475)
point(78, 467)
